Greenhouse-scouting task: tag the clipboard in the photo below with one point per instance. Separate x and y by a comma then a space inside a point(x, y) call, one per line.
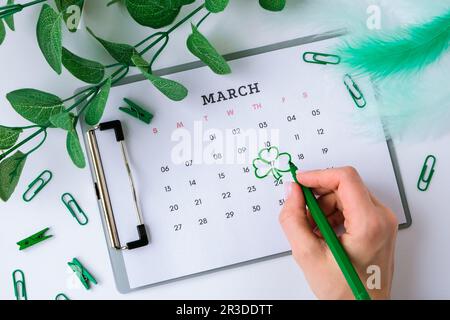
point(120, 253)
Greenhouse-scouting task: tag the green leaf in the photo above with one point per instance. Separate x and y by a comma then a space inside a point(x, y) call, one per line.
point(2, 31)
point(10, 171)
point(9, 137)
point(171, 89)
point(120, 52)
point(154, 13)
point(71, 11)
point(97, 105)
point(64, 120)
point(216, 6)
point(273, 5)
point(10, 19)
point(74, 149)
point(83, 69)
point(199, 46)
point(34, 105)
point(49, 37)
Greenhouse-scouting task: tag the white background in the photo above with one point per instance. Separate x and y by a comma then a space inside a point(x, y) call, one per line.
point(422, 260)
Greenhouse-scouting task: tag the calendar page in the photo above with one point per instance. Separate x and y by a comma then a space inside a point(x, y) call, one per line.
point(202, 204)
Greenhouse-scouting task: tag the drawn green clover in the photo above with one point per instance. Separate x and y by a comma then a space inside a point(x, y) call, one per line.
point(271, 161)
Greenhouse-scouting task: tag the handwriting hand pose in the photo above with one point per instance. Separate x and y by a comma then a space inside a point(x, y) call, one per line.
point(369, 236)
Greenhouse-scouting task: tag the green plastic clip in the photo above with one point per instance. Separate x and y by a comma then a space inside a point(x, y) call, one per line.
point(427, 173)
point(20, 289)
point(355, 92)
point(61, 296)
point(321, 58)
point(37, 185)
point(85, 277)
point(34, 239)
point(136, 111)
point(74, 209)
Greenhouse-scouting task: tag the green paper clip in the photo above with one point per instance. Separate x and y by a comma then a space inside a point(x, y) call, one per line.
point(355, 92)
point(20, 289)
point(321, 58)
point(34, 239)
point(85, 277)
point(74, 209)
point(41, 181)
point(424, 178)
point(61, 296)
point(136, 111)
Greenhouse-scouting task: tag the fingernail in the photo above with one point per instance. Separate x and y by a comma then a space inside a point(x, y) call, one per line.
point(287, 189)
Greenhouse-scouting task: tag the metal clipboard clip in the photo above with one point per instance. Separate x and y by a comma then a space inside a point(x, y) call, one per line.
point(102, 188)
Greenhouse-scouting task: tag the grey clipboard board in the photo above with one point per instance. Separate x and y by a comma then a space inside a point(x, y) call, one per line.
point(116, 256)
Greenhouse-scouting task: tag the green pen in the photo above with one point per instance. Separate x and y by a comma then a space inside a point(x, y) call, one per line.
point(342, 259)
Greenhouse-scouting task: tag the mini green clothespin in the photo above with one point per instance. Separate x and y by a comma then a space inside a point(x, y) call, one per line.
point(85, 277)
point(136, 111)
point(355, 92)
point(61, 296)
point(321, 58)
point(428, 167)
point(34, 239)
point(40, 182)
point(74, 209)
point(20, 289)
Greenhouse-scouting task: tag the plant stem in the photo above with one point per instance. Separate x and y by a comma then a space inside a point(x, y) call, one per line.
point(32, 3)
point(13, 8)
point(39, 145)
point(113, 65)
point(77, 94)
point(17, 146)
point(203, 19)
point(91, 90)
point(157, 53)
point(175, 26)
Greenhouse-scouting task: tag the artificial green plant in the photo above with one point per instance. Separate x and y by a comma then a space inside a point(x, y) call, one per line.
point(47, 111)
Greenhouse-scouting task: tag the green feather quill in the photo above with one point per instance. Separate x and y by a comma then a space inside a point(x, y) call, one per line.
point(410, 49)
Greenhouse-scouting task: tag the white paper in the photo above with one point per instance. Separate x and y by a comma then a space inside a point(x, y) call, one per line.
point(289, 87)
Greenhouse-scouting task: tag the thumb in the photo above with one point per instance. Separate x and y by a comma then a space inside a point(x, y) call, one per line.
point(293, 219)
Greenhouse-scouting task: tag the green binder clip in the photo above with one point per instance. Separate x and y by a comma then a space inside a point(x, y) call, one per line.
point(34, 239)
point(74, 209)
point(61, 296)
point(85, 277)
point(37, 185)
point(355, 92)
point(321, 58)
point(427, 173)
point(136, 111)
point(20, 289)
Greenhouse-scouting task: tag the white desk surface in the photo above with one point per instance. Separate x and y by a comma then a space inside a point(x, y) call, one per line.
point(422, 260)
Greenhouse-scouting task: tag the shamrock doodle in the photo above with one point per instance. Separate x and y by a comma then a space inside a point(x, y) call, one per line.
point(271, 161)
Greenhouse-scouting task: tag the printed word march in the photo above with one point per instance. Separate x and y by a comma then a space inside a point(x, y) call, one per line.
point(230, 94)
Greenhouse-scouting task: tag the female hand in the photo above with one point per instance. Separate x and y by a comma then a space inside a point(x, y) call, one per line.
point(369, 236)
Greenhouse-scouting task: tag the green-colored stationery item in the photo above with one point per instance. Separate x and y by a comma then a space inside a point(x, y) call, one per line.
point(427, 173)
point(74, 208)
point(20, 289)
point(355, 92)
point(61, 296)
point(136, 111)
point(37, 185)
point(34, 239)
point(321, 58)
point(342, 259)
point(85, 277)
